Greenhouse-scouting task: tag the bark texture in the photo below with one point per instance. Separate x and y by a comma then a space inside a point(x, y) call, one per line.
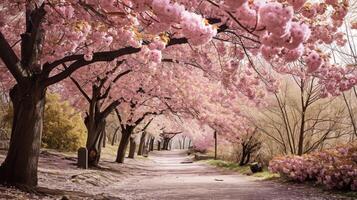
point(94, 142)
point(132, 148)
point(142, 144)
point(20, 165)
point(124, 141)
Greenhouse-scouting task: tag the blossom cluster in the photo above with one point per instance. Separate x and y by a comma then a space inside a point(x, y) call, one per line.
point(334, 168)
point(193, 25)
point(283, 35)
point(335, 79)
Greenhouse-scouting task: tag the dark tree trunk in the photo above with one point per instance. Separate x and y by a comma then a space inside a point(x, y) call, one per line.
point(142, 144)
point(245, 159)
point(245, 156)
point(170, 145)
point(302, 132)
point(215, 145)
point(158, 145)
point(132, 148)
point(183, 142)
point(152, 140)
point(104, 138)
point(165, 144)
point(147, 146)
point(95, 128)
point(249, 147)
point(20, 165)
point(124, 141)
point(115, 136)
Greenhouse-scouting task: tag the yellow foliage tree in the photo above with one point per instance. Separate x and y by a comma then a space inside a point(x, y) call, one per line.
point(63, 127)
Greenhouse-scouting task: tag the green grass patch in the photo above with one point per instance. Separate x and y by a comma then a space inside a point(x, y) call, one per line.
point(230, 165)
point(264, 175)
point(352, 195)
point(141, 157)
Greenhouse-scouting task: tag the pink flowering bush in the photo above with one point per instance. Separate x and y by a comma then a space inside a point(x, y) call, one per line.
point(334, 168)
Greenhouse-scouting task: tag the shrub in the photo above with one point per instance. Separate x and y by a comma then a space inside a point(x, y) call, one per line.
point(63, 128)
point(334, 168)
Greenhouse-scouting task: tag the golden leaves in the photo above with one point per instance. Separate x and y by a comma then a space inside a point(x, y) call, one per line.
point(138, 36)
point(215, 27)
point(307, 6)
point(80, 25)
point(164, 37)
point(206, 22)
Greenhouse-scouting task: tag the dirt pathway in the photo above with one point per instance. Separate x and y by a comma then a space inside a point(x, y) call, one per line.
point(166, 175)
point(171, 177)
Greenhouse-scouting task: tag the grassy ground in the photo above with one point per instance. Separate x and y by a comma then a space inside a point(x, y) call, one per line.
point(264, 175)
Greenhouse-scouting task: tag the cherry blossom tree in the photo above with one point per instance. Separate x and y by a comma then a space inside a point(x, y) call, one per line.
point(37, 37)
point(97, 88)
point(142, 142)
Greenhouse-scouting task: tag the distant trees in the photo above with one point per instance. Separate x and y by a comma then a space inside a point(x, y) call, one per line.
point(300, 121)
point(248, 146)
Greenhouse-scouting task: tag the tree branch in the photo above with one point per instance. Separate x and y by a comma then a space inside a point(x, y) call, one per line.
point(121, 75)
point(105, 56)
point(80, 88)
point(110, 108)
point(10, 59)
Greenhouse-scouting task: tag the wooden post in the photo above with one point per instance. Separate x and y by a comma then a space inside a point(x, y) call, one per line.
point(82, 161)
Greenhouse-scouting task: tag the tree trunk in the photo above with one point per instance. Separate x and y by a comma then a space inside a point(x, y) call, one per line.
point(165, 144)
point(147, 146)
point(142, 143)
point(95, 136)
point(302, 133)
point(104, 138)
point(244, 155)
point(115, 136)
point(158, 145)
point(132, 148)
point(20, 165)
point(183, 142)
point(215, 145)
point(152, 140)
point(123, 146)
point(170, 145)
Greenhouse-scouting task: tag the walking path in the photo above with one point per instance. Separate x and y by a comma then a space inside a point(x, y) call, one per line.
point(171, 177)
point(166, 175)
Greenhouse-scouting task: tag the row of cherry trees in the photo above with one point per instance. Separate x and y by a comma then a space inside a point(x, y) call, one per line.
point(139, 57)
